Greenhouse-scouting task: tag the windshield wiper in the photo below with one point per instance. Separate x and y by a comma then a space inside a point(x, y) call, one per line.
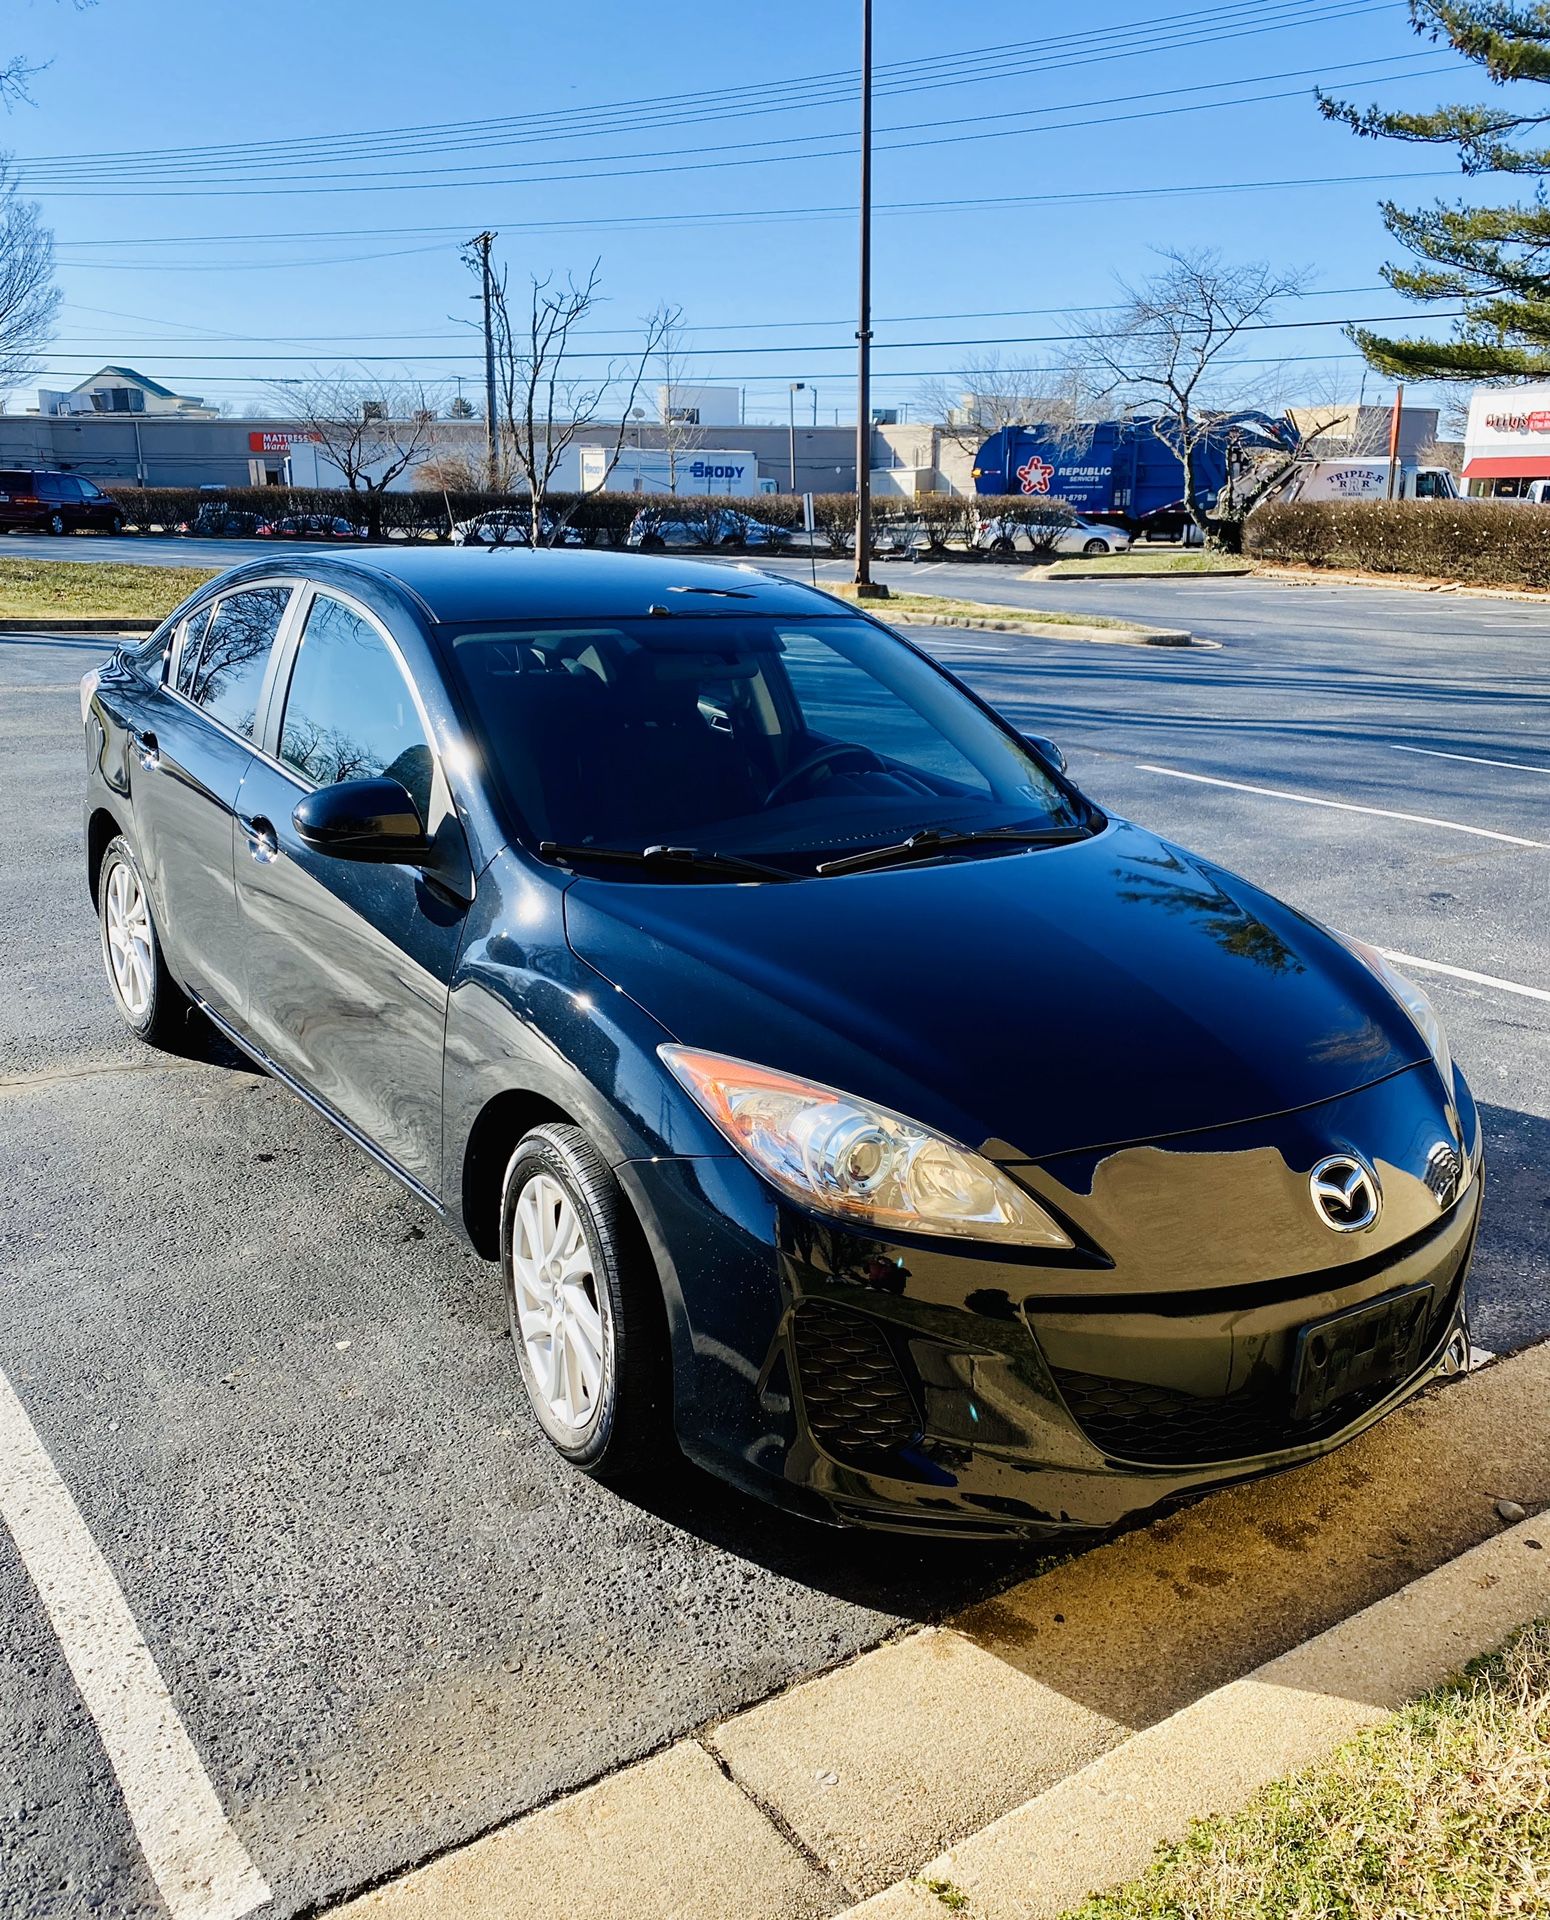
point(683, 859)
point(930, 841)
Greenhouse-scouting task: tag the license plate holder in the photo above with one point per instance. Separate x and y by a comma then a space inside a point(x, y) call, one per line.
point(1380, 1342)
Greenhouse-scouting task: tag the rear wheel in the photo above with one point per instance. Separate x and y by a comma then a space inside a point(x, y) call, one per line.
point(149, 1001)
point(584, 1306)
point(1003, 546)
point(55, 523)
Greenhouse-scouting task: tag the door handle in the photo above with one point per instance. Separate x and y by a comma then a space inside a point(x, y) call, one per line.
point(263, 841)
point(146, 750)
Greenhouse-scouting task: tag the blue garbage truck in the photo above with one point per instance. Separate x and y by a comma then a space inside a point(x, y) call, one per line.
point(1122, 470)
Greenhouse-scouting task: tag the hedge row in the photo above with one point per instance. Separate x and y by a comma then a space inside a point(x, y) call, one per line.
point(602, 519)
point(1483, 542)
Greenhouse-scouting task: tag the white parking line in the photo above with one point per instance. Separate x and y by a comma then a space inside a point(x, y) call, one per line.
point(1343, 806)
point(1474, 759)
point(196, 1860)
point(1464, 973)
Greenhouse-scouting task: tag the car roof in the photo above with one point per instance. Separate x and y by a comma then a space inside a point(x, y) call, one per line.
point(455, 584)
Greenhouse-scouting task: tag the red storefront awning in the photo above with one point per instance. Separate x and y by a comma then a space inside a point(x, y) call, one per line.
point(1516, 466)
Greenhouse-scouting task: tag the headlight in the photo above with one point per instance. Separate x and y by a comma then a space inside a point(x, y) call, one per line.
point(1412, 999)
point(845, 1157)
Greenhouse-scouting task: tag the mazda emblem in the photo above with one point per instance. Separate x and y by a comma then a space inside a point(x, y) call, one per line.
point(1345, 1191)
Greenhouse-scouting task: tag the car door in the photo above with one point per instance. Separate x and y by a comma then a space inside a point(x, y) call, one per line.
point(186, 768)
point(349, 963)
point(96, 508)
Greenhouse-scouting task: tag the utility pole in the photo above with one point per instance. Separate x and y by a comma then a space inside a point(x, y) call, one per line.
point(1399, 398)
point(864, 586)
point(482, 242)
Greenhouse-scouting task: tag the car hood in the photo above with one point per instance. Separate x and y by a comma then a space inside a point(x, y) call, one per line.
point(1114, 989)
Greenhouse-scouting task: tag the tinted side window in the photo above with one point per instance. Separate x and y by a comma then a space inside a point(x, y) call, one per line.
point(229, 674)
point(349, 713)
point(50, 486)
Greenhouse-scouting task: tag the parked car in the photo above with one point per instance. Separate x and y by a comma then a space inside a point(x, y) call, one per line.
point(319, 526)
point(215, 520)
point(52, 502)
point(652, 528)
point(1091, 538)
point(840, 1089)
point(502, 528)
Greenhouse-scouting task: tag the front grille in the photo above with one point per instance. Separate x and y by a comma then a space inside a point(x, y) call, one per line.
point(854, 1393)
point(1140, 1421)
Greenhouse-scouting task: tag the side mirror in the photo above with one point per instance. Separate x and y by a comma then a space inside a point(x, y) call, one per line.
point(1047, 751)
point(363, 820)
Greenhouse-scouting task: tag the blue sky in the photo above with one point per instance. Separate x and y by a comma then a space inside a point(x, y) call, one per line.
point(729, 194)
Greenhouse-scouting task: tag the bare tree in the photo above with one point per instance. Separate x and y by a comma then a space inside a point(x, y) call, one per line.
point(987, 396)
point(1168, 353)
point(29, 299)
point(543, 403)
point(681, 429)
point(371, 432)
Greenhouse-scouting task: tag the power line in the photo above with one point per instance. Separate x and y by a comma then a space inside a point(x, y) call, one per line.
point(399, 183)
point(1009, 60)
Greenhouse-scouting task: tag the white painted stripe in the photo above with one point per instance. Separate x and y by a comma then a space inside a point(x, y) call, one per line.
point(1344, 806)
point(1464, 973)
point(196, 1860)
point(1474, 759)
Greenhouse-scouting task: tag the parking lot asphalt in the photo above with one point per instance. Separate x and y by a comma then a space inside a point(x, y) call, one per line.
point(281, 1395)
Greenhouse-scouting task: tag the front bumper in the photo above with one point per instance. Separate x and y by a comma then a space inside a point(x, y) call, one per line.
point(932, 1386)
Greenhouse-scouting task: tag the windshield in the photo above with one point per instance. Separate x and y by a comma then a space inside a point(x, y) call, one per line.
point(784, 740)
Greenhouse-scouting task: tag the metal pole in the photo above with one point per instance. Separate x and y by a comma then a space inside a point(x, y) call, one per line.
point(484, 241)
point(791, 437)
point(863, 578)
point(1399, 395)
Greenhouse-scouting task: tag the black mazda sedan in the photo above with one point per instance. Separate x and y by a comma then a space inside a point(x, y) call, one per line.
point(848, 1100)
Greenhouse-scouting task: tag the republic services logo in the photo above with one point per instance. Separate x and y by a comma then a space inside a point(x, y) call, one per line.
point(1035, 475)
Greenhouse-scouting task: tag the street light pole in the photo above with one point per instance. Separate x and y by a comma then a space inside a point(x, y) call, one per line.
point(863, 581)
point(796, 387)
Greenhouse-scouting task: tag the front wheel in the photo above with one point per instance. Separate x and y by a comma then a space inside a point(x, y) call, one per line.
point(116, 523)
point(1003, 547)
point(584, 1306)
point(1094, 548)
point(149, 1001)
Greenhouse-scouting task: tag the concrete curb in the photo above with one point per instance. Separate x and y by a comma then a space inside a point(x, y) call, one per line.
point(1060, 630)
point(78, 626)
point(1097, 571)
point(1397, 582)
point(914, 1748)
point(1101, 1827)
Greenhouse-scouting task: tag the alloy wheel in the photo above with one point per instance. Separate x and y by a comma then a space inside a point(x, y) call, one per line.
point(562, 1312)
point(126, 926)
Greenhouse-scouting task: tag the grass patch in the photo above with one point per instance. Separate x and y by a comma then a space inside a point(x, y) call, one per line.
point(1148, 561)
point(87, 590)
point(1441, 1813)
point(898, 605)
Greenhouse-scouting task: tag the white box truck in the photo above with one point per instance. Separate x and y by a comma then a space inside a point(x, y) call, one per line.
point(1367, 480)
point(702, 471)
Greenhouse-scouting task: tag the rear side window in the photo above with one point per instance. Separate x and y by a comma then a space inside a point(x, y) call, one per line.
point(229, 673)
point(349, 713)
point(12, 480)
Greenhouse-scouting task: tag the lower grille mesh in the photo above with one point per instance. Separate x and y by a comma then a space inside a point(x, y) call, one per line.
point(853, 1390)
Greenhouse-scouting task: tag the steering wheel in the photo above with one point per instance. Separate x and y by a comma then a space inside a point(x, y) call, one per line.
point(835, 751)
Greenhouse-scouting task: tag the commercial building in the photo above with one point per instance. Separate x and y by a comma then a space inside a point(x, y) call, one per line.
point(1507, 442)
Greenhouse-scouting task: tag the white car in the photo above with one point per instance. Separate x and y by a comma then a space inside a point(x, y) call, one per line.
point(1089, 538)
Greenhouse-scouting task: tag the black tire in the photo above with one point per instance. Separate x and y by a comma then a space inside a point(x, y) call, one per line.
point(1094, 548)
point(1004, 547)
point(116, 523)
point(652, 543)
point(55, 523)
point(162, 1021)
point(627, 1428)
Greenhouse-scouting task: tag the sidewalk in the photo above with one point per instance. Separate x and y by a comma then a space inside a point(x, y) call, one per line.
point(1070, 1722)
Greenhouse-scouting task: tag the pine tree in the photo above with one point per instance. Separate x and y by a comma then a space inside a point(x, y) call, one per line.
point(1494, 262)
